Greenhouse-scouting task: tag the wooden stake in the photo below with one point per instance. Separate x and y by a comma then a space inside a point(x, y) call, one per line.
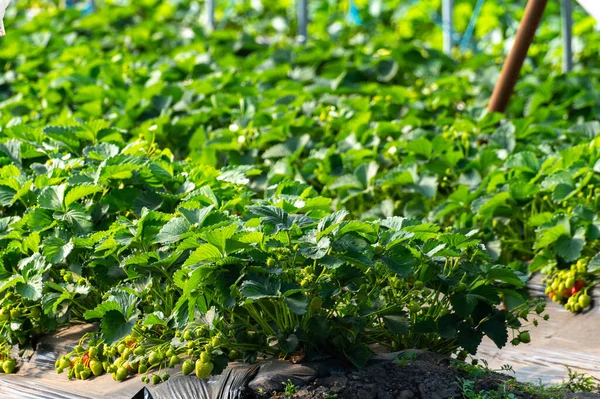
point(512, 67)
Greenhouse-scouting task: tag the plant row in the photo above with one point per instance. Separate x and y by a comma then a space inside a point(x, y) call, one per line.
point(182, 262)
point(379, 126)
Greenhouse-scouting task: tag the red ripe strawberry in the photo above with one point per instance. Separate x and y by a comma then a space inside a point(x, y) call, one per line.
point(85, 359)
point(567, 293)
point(577, 287)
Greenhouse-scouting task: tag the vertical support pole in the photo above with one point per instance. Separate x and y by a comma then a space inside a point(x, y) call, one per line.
point(302, 6)
point(512, 66)
point(448, 25)
point(210, 14)
point(567, 35)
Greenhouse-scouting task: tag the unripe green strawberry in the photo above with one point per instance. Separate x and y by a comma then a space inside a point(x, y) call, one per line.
point(203, 370)
point(233, 354)
point(164, 377)
point(570, 282)
point(188, 335)
point(156, 379)
point(4, 314)
point(126, 353)
point(121, 348)
point(121, 374)
point(93, 351)
point(142, 368)
point(96, 367)
point(187, 367)
point(15, 313)
point(585, 301)
point(205, 357)
point(79, 349)
point(35, 313)
point(414, 307)
point(525, 337)
point(200, 331)
point(138, 351)
point(8, 366)
point(316, 303)
point(85, 374)
point(65, 363)
point(127, 366)
point(154, 358)
point(174, 360)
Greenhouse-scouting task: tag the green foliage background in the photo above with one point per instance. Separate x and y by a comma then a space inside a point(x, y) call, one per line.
point(162, 178)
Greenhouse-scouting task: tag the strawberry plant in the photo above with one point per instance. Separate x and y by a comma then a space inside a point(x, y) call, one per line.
point(182, 262)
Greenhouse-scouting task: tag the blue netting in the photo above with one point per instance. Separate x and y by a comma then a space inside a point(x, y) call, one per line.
point(353, 17)
point(354, 14)
point(87, 8)
point(464, 43)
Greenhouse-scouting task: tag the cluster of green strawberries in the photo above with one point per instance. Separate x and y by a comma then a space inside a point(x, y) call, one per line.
point(194, 348)
point(569, 287)
point(7, 363)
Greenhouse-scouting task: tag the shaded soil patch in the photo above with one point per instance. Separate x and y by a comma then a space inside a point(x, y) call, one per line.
point(421, 375)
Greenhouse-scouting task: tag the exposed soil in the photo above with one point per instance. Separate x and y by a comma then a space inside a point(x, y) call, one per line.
point(420, 376)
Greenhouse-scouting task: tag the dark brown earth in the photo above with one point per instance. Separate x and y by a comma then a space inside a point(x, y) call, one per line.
point(420, 376)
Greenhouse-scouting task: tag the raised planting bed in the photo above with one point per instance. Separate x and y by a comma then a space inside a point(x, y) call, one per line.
point(402, 375)
point(37, 379)
point(564, 340)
